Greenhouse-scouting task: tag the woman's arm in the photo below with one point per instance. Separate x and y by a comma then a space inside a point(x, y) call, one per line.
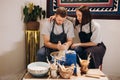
point(87, 44)
point(72, 19)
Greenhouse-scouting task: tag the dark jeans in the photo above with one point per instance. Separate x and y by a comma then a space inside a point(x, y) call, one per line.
point(43, 53)
point(97, 54)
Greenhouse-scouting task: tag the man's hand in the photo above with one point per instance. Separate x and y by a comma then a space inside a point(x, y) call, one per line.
point(61, 46)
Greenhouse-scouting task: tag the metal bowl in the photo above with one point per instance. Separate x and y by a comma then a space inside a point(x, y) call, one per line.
point(38, 69)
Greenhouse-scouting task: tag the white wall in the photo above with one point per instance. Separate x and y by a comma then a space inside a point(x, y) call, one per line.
point(12, 51)
point(12, 37)
point(12, 46)
point(111, 37)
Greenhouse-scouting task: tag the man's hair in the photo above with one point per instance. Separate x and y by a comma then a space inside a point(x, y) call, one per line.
point(61, 11)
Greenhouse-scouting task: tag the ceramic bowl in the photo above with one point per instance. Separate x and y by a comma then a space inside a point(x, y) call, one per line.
point(38, 69)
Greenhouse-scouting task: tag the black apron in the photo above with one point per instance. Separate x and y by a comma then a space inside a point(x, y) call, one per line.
point(97, 52)
point(85, 37)
point(54, 38)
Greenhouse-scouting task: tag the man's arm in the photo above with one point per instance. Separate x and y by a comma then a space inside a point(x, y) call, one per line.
point(70, 34)
point(58, 46)
point(68, 43)
point(47, 42)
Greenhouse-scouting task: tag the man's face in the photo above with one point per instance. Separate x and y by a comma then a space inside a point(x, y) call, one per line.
point(59, 20)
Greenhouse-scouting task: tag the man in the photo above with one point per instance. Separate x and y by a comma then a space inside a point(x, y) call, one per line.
point(57, 35)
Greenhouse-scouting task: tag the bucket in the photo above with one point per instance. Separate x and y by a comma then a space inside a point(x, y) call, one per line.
point(71, 59)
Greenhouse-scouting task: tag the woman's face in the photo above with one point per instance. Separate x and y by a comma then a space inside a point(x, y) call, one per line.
point(79, 16)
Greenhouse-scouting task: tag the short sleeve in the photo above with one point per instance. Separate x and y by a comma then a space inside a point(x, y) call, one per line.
point(46, 28)
point(96, 33)
point(70, 30)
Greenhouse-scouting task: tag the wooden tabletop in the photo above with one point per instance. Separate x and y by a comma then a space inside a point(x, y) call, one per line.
point(92, 74)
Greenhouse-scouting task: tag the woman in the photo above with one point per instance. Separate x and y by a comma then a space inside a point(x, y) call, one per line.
point(90, 37)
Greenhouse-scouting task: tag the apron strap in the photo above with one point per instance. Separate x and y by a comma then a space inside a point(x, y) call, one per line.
point(53, 26)
point(89, 25)
point(80, 28)
point(62, 27)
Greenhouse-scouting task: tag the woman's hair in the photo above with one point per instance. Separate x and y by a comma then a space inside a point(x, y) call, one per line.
point(86, 15)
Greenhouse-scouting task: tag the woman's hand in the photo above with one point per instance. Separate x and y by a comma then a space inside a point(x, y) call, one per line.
point(51, 18)
point(75, 45)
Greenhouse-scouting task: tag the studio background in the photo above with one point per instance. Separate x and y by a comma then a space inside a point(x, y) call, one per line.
point(12, 40)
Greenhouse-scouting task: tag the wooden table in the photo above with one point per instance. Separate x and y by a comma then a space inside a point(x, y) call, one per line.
point(98, 75)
